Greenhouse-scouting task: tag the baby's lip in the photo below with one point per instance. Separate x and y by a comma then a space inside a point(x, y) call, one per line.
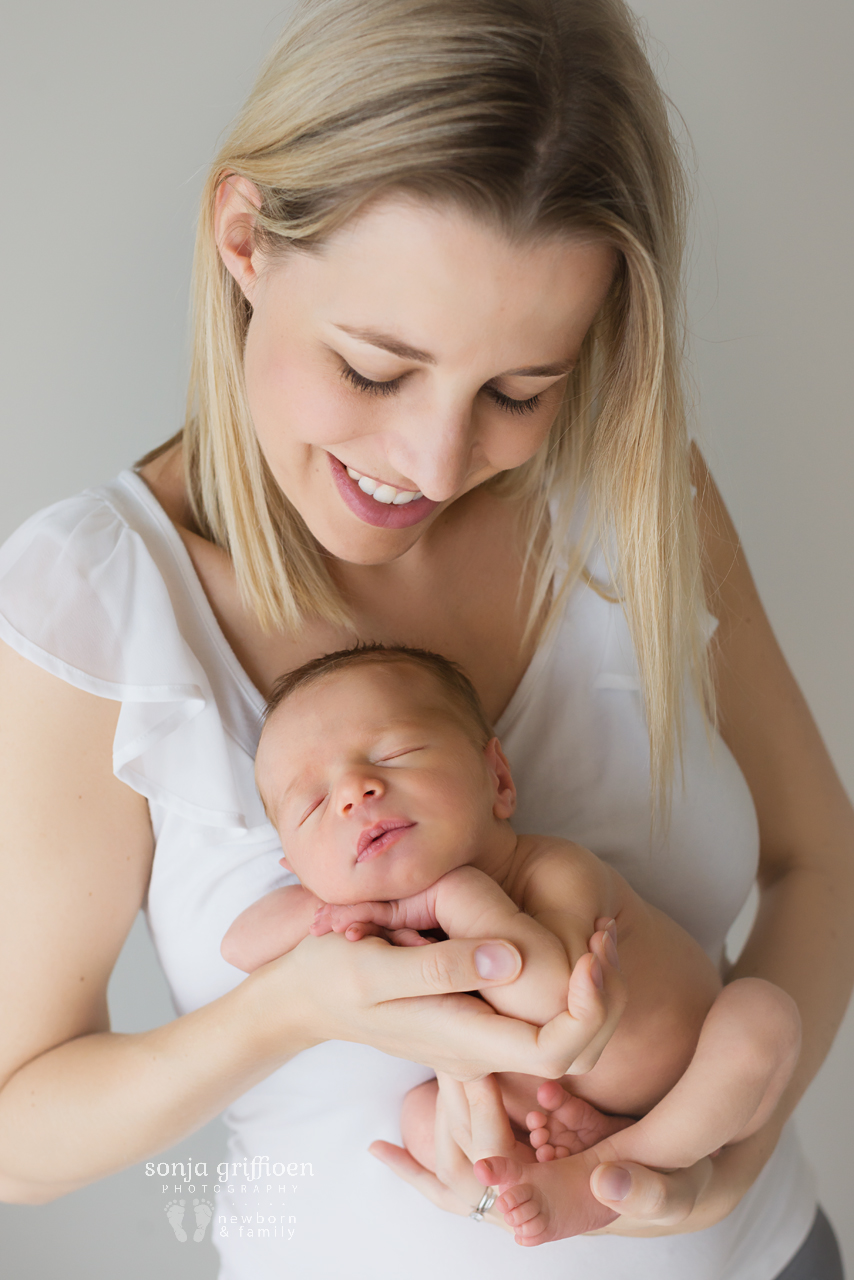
point(378, 829)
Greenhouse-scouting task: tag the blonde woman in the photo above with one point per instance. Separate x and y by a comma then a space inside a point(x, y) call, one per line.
point(435, 399)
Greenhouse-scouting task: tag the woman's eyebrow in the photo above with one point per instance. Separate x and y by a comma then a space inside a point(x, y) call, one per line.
point(387, 342)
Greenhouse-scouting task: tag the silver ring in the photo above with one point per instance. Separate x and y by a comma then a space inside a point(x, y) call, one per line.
point(487, 1200)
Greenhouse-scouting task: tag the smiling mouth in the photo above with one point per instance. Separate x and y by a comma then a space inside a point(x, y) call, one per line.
point(376, 839)
point(384, 512)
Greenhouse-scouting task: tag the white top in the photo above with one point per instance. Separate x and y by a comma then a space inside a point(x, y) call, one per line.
point(100, 590)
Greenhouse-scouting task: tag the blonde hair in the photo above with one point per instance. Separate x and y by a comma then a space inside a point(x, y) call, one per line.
point(542, 117)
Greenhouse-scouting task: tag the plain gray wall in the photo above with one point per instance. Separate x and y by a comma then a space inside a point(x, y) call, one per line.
point(111, 115)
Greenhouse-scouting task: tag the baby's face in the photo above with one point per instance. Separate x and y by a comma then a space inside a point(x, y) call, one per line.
point(374, 784)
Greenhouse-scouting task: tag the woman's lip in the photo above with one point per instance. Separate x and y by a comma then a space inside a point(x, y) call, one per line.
point(381, 515)
point(381, 841)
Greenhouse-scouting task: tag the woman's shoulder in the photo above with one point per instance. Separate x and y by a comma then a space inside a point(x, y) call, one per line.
point(98, 590)
point(82, 579)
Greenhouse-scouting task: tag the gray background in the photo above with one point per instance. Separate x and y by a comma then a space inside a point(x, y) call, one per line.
point(111, 114)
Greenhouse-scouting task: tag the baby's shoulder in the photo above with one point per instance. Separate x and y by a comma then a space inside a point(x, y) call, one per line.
point(550, 866)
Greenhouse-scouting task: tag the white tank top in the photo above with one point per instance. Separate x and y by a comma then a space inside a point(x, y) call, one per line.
point(100, 591)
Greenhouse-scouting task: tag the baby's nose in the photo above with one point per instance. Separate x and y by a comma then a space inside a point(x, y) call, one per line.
point(355, 791)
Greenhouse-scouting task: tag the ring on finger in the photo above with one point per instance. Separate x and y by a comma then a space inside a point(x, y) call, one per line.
point(487, 1200)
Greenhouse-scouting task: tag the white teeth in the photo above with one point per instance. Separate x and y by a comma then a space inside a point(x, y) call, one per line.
point(385, 493)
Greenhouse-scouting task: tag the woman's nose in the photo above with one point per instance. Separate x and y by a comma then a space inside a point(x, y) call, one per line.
point(440, 452)
point(355, 789)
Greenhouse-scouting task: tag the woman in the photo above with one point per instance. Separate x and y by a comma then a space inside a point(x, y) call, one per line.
point(440, 251)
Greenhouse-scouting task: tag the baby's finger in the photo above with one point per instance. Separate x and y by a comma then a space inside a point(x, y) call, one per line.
point(409, 938)
point(358, 930)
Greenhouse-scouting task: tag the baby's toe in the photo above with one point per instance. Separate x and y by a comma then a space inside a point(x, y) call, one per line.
point(551, 1096)
point(532, 1232)
point(545, 1153)
point(525, 1213)
point(536, 1120)
point(513, 1197)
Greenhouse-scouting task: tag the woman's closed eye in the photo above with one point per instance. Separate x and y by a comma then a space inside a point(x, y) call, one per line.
point(392, 385)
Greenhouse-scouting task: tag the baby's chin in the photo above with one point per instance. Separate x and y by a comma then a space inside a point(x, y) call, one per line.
point(376, 889)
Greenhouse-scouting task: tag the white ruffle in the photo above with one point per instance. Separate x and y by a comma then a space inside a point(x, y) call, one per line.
point(94, 590)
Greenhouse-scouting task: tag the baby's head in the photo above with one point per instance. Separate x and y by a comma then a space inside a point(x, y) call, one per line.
point(380, 772)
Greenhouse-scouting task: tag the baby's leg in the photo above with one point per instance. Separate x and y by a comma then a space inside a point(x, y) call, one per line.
point(746, 1053)
point(418, 1123)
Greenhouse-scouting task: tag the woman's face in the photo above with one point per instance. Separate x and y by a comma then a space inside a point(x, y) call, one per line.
point(419, 352)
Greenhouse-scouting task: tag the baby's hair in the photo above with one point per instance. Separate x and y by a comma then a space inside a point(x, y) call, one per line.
point(454, 682)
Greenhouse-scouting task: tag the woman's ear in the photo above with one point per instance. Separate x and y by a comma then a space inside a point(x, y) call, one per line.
point(237, 199)
point(504, 802)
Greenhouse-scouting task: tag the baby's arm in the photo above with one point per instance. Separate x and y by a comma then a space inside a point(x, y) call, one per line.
point(466, 903)
point(270, 927)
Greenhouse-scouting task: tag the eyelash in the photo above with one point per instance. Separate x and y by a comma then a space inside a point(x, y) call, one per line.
point(389, 388)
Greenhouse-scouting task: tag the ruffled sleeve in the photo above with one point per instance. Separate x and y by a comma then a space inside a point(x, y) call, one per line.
point(104, 605)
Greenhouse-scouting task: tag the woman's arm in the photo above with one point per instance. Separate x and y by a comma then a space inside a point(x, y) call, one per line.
point(78, 1102)
point(803, 940)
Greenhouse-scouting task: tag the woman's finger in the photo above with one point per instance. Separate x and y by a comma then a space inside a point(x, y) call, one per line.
point(459, 964)
point(647, 1197)
point(452, 1137)
point(490, 1131)
point(409, 1170)
point(571, 1042)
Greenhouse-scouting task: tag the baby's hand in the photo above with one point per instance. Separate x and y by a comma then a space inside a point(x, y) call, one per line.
point(365, 919)
point(568, 1125)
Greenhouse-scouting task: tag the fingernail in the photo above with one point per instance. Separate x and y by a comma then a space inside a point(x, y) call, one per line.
point(611, 927)
point(610, 951)
point(596, 974)
point(615, 1183)
point(488, 1167)
point(494, 960)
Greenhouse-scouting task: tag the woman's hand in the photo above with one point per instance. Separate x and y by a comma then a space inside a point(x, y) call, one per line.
point(470, 1123)
point(652, 1203)
point(410, 1002)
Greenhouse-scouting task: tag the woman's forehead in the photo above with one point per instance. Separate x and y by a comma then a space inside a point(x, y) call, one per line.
point(437, 279)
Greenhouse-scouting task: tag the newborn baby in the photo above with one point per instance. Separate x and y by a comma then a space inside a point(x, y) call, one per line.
point(392, 799)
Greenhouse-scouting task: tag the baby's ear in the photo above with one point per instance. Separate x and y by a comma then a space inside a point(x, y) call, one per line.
point(504, 799)
point(283, 862)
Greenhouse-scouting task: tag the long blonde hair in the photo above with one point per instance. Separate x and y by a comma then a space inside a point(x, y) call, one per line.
point(542, 117)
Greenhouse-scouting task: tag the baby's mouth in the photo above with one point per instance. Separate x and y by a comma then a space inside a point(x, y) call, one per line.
point(374, 840)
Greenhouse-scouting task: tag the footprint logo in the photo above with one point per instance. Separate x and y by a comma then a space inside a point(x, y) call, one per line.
point(175, 1216)
point(203, 1210)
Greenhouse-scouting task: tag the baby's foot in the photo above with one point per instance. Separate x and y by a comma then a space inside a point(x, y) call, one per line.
point(203, 1210)
point(544, 1202)
point(568, 1125)
point(175, 1216)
